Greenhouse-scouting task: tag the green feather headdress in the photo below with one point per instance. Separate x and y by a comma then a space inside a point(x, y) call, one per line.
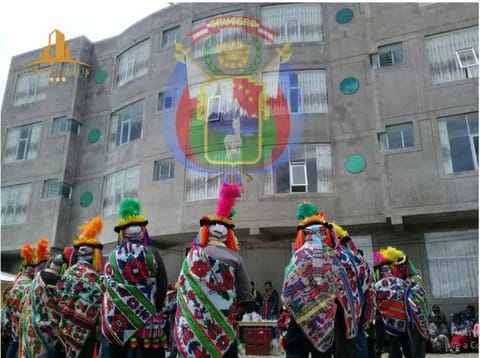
point(130, 214)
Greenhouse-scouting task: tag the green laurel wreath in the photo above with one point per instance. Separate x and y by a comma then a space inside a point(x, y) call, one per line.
point(257, 44)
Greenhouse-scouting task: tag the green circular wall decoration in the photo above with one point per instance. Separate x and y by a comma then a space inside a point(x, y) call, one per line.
point(86, 199)
point(349, 85)
point(355, 164)
point(93, 135)
point(100, 77)
point(344, 15)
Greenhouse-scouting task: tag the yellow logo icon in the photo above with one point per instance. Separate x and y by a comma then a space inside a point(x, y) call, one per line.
point(55, 54)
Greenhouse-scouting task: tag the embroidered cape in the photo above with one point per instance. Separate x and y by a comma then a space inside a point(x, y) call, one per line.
point(309, 291)
point(39, 320)
point(128, 308)
point(80, 293)
point(206, 292)
point(14, 302)
point(417, 307)
point(355, 290)
point(391, 304)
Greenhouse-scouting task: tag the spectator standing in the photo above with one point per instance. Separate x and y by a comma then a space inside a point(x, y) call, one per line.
point(272, 300)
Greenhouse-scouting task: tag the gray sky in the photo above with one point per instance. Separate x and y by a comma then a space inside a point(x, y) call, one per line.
point(25, 24)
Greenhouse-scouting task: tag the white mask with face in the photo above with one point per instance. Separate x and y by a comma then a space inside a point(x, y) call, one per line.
point(218, 232)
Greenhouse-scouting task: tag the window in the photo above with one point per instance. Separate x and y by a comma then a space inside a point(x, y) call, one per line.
point(126, 124)
point(295, 22)
point(170, 36)
point(459, 141)
point(22, 143)
point(53, 188)
point(65, 125)
point(202, 185)
point(15, 200)
point(453, 263)
point(120, 185)
point(166, 101)
point(32, 86)
point(397, 136)
point(453, 55)
point(133, 63)
point(163, 169)
point(309, 170)
point(364, 243)
point(388, 55)
point(225, 36)
point(306, 91)
point(466, 57)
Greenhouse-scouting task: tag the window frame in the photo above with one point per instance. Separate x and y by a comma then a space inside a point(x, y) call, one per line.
point(68, 126)
point(124, 116)
point(445, 141)
point(385, 143)
point(157, 166)
point(396, 51)
point(28, 153)
point(131, 57)
point(441, 287)
point(34, 76)
point(166, 44)
point(60, 189)
point(162, 96)
point(119, 188)
point(6, 193)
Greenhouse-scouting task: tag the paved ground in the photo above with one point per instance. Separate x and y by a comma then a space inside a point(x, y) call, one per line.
point(429, 355)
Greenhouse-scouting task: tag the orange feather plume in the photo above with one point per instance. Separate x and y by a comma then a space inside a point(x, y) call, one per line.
point(26, 253)
point(91, 229)
point(42, 250)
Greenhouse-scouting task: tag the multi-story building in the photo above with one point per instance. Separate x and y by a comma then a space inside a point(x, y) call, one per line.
point(368, 110)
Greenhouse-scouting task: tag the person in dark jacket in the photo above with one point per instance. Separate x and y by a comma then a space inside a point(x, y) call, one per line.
point(136, 286)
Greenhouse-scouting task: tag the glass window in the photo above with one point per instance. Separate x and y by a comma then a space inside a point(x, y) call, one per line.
point(166, 101)
point(32, 86)
point(202, 185)
point(133, 63)
point(452, 259)
point(308, 170)
point(388, 55)
point(54, 188)
point(120, 185)
point(65, 125)
point(170, 36)
point(294, 22)
point(126, 124)
point(446, 51)
point(15, 200)
point(163, 169)
point(22, 143)
point(306, 90)
point(397, 136)
point(459, 141)
point(226, 36)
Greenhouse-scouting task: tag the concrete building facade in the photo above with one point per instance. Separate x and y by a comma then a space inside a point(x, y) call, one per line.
point(381, 102)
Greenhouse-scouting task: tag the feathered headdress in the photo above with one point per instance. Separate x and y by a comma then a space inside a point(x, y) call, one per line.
point(88, 237)
point(308, 214)
point(223, 215)
point(42, 254)
point(130, 214)
point(26, 253)
point(339, 231)
point(396, 256)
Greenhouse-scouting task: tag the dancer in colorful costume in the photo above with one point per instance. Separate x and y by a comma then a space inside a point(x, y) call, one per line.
point(392, 316)
point(80, 293)
point(33, 261)
point(39, 320)
point(415, 300)
point(310, 284)
point(356, 294)
point(136, 286)
point(213, 278)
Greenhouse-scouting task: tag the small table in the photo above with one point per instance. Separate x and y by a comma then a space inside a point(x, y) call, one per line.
point(257, 336)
